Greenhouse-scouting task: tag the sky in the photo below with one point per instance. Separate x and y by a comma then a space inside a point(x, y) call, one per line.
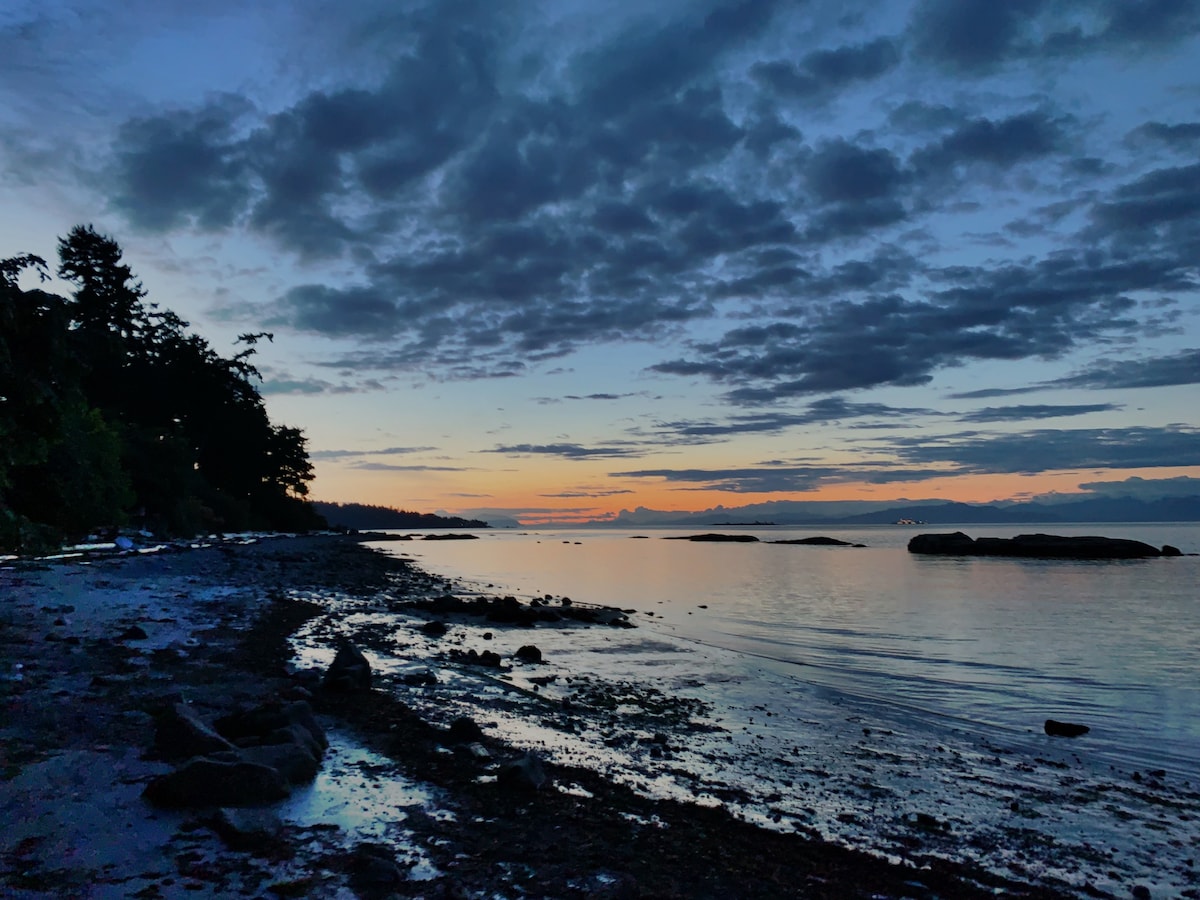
point(555, 260)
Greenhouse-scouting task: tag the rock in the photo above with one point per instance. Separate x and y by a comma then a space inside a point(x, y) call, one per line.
point(179, 733)
point(716, 538)
point(373, 869)
point(523, 775)
point(818, 542)
point(210, 782)
point(434, 629)
point(423, 678)
point(349, 671)
point(1032, 546)
point(1140, 892)
point(1065, 729)
point(1168, 550)
point(955, 544)
point(274, 723)
point(295, 761)
point(133, 633)
point(529, 653)
point(246, 829)
point(464, 731)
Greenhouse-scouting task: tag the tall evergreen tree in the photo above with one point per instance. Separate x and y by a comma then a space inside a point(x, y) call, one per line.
point(108, 406)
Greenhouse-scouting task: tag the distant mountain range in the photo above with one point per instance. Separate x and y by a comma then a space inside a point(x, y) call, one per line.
point(799, 513)
point(360, 517)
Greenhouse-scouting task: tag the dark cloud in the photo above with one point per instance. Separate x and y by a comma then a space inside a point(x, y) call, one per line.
point(828, 410)
point(363, 312)
point(290, 176)
point(822, 74)
point(587, 493)
point(925, 458)
point(998, 143)
point(187, 167)
point(503, 199)
point(1047, 450)
point(1022, 413)
point(1130, 25)
point(566, 451)
point(842, 172)
point(272, 386)
point(395, 467)
point(1145, 488)
point(988, 393)
point(782, 479)
point(349, 454)
point(1161, 203)
point(653, 64)
point(1181, 135)
point(977, 36)
point(1162, 371)
point(972, 35)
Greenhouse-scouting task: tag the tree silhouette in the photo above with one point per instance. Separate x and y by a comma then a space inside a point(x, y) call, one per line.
point(111, 411)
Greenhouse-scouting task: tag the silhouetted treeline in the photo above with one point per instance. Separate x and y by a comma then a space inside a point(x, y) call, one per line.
point(112, 413)
point(363, 516)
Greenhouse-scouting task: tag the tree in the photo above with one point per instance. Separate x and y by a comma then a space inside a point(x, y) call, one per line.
point(59, 458)
point(109, 405)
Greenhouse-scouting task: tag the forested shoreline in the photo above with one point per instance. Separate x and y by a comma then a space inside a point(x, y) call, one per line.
point(113, 414)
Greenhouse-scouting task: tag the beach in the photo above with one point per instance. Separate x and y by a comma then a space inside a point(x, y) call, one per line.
point(418, 794)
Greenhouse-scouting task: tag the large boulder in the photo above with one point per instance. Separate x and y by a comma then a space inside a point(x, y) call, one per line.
point(212, 782)
point(522, 775)
point(1033, 546)
point(180, 733)
point(954, 544)
point(251, 757)
point(274, 723)
point(1064, 729)
point(349, 671)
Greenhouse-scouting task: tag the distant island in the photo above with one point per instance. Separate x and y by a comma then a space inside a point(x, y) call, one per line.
point(361, 516)
point(851, 514)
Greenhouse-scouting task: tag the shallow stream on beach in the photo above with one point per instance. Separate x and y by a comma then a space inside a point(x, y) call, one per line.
point(891, 702)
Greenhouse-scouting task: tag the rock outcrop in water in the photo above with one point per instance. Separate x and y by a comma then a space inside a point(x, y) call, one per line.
point(1034, 546)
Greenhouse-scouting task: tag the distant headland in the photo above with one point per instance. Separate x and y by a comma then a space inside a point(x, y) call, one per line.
point(361, 516)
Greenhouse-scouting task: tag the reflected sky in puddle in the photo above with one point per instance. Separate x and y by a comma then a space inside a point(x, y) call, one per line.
point(366, 797)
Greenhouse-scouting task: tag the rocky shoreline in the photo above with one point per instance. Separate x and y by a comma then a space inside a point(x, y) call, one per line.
point(97, 656)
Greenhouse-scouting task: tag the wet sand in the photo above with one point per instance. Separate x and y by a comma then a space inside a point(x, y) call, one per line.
point(401, 807)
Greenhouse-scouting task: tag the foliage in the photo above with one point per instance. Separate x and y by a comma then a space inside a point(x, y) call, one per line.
point(361, 515)
point(111, 412)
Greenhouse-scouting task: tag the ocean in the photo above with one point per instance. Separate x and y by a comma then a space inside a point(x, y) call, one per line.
point(1002, 642)
point(855, 693)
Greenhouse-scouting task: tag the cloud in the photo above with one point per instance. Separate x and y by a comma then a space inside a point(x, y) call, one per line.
point(998, 143)
point(820, 75)
point(828, 410)
point(184, 167)
point(1162, 371)
point(482, 190)
point(1005, 311)
point(782, 479)
point(1021, 413)
point(395, 467)
point(350, 454)
point(1047, 450)
point(1145, 488)
point(1179, 136)
point(566, 451)
point(587, 493)
point(974, 37)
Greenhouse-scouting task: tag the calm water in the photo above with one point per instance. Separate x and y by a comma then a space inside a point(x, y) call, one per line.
point(1000, 642)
